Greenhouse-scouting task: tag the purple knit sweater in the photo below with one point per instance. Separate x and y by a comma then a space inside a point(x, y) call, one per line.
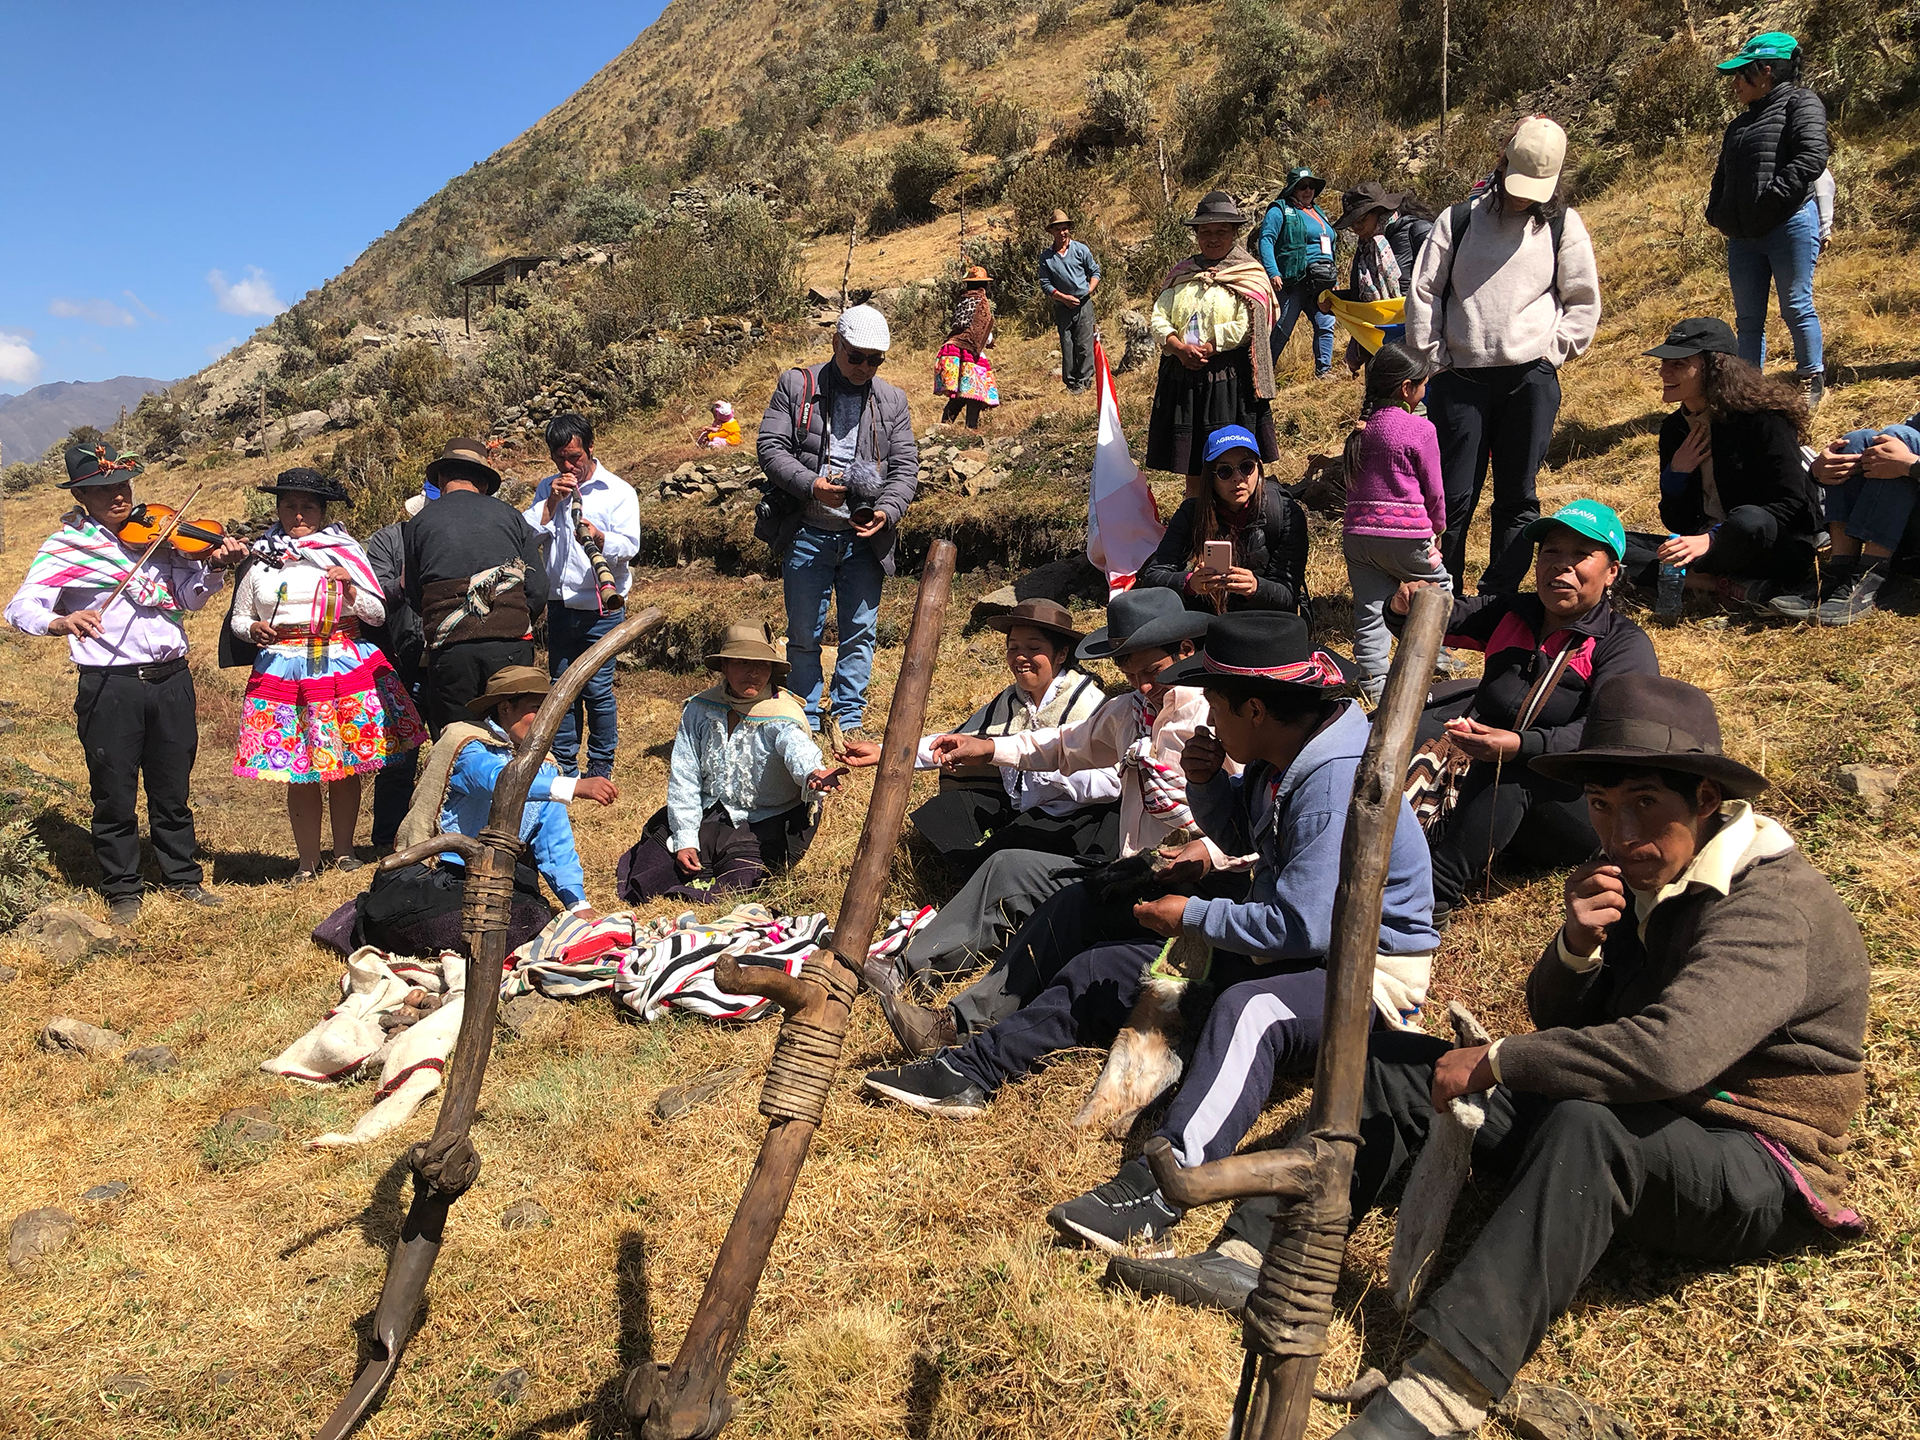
point(1395, 490)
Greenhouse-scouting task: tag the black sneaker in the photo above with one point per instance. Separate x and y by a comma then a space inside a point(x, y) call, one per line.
point(123, 911)
point(932, 1085)
point(1855, 597)
point(194, 895)
point(1207, 1281)
point(1797, 601)
point(1121, 1216)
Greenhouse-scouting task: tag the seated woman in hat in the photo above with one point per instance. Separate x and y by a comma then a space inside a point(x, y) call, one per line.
point(982, 810)
point(1213, 307)
point(1546, 653)
point(1237, 507)
point(415, 910)
point(738, 787)
point(322, 707)
point(963, 373)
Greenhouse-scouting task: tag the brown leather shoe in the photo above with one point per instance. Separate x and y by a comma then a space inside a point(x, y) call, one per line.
point(922, 1030)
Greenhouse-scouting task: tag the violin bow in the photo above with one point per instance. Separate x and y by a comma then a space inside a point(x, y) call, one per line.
point(155, 544)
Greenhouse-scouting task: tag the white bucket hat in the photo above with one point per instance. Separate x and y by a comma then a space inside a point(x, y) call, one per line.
point(864, 328)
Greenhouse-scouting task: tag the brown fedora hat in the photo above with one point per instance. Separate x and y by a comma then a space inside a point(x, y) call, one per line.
point(976, 275)
point(1042, 614)
point(1653, 722)
point(509, 683)
point(465, 459)
point(749, 640)
point(1057, 218)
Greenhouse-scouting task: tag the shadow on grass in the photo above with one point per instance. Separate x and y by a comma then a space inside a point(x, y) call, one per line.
point(633, 1345)
point(1577, 440)
point(1887, 370)
point(379, 1223)
point(251, 867)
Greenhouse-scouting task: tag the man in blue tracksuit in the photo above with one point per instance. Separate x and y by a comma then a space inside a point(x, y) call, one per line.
point(1296, 244)
point(1273, 702)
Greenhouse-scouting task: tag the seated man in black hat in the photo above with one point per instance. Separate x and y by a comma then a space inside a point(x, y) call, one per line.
point(1034, 894)
point(475, 576)
point(1701, 1020)
point(1273, 699)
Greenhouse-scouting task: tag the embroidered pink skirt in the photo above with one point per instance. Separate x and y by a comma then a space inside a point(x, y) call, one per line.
point(306, 719)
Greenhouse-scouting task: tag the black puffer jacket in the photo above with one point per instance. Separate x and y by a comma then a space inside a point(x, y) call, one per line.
point(1406, 234)
point(1769, 159)
point(1273, 546)
point(1756, 461)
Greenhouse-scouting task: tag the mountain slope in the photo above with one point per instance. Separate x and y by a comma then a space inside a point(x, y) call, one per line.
point(33, 420)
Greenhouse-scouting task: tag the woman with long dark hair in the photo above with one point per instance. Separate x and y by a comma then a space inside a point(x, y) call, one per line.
point(1263, 526)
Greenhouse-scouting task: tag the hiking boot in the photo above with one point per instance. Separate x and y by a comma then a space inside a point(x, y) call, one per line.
point(123, 911)
point(1854, 597)
point(922, 1030)
point(1207, 1281)
point(1797, 601)
point(1387, 1419)
point(1813, 385)
point(1737, 590)
point(933, 1086)
point(194, 895)
point(1126, 1212)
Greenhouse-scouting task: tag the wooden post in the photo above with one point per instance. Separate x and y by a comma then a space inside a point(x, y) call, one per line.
point(1166, 190)
point(688, 1400)
point(1446, 25)
point(846, 275)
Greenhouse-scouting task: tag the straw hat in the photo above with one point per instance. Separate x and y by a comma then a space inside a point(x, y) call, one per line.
point(749, 640)
point(465, 459)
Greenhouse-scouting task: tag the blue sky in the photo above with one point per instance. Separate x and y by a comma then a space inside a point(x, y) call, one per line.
point(182, 171)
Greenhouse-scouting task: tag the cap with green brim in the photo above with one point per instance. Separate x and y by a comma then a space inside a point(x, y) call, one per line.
point(1768, 46)
point(1589, 518)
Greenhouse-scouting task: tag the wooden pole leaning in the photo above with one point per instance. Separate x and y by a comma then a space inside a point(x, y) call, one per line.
point(1285, 1329)
point(446, 1164)
point(688, 1400)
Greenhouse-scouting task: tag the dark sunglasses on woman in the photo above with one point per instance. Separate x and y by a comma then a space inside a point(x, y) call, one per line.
point(1229, 470)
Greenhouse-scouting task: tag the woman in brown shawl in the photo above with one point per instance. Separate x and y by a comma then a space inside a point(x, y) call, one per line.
point(963, 373)
point(1211, 374)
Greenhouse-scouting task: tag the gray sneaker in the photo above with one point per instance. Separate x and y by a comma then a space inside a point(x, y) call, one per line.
point(1797, 601)
point(1207, 1281)
point(1854, 597)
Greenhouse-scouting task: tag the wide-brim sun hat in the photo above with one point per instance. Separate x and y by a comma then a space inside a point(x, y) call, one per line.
point(1302, 175)
point(1216, 207)
point(1584, 517)
point(1703, 334)
point(1057, 219)
point(749, 640)
point(1270, 646)
point(976, 275)
point(1768, 47)
point(1535, 157)
point(1364, 199)
point(510, 683)
point(305, 481)
point(1148, 619)
point(1042, 614)
point(1653, 722)
point(465, 459)
point(99, 465)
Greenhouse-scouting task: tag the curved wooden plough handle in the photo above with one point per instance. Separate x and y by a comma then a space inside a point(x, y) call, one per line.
point(446, 1165)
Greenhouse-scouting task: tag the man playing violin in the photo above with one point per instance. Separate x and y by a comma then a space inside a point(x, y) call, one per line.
point(124, 616)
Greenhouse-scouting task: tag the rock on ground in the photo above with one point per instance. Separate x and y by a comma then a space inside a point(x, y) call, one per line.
point(525, 1215)
point(678, 1100)
point(112, 1190)
point(8, 974)
point(248, 1125)
point(68, 937)
point(155, 1059)
point(1874, 784)
point(36, 1233)
point(129, 1384)
point(1548, 1412)
point(64, 1035)
point(532, 1016)
point(511, 1386)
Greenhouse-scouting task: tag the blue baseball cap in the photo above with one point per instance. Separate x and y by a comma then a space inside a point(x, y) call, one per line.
point(1589, 518)
point(1230, 437)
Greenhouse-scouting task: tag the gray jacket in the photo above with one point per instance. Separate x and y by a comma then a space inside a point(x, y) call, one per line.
point(792, 454)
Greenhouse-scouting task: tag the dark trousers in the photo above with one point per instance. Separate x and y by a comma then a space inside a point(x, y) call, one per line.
point(393, 781)
point(732, 857)
point(1748, 543)
point(1523, 816)
point(1582, 1174)
point(134, 730)
point(975, 924)
point(1076, 326)
point(1498, 418)
point(569, 634)
point(460, 673)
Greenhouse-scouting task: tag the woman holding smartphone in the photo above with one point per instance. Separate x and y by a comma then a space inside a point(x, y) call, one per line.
point(1241, 543)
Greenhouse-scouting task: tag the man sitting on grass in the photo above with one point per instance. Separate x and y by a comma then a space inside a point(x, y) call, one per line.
point(1701, 1017)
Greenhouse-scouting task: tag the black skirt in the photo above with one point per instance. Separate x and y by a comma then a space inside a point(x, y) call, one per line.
point(1189, 405)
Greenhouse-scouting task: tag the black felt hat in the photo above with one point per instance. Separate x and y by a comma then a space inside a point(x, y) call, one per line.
point(304, 481)
point(1653, 722)
point(1150, 619)
point(99, 465)
point(1216, 207)
point(1263, 645)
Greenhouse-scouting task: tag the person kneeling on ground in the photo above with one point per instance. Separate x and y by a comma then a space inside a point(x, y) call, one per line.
point(1701, 1019)
point(744, 764)
point(1035, 895)
point(1870, 480)
point(416, 910)
point(1272, 698)
point(983, 810)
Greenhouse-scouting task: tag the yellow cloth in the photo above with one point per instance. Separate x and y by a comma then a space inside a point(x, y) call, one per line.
point(1364, 319)
point(728, 432)
point(1223, 315)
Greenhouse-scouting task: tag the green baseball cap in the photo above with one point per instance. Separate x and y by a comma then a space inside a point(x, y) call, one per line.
point(1589, 518)
point(1770, 45)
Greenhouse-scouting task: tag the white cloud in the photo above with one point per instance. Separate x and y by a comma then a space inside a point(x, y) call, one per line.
point(141, 305)
point(251, 296)
point(94, 312)
point(18, 364)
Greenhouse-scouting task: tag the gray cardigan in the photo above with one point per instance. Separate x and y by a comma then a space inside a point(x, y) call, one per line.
point(792, 457)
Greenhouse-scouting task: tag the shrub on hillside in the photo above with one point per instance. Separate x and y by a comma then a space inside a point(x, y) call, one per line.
point(606, 217)
point(406, 375)
point(1863, 55)
point(1051, 18)
point(1670, 92)
point(24, 863)
point(920, 165)
point(1001, 128)
point(1119, 108)
point(1040, 187)
point(1261, 88)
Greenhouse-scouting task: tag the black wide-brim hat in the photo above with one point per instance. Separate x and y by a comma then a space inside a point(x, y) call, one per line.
point(1216, 207)
point(1653, 722)
point(1271, 646)
point(99, 465)
point(1146, 619)
point(303, 481)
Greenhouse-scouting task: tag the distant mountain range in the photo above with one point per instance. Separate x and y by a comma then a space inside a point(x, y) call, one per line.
point(29, 423)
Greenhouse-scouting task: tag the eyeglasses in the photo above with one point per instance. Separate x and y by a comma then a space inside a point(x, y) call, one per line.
point(875, 358)
point(1230, 470)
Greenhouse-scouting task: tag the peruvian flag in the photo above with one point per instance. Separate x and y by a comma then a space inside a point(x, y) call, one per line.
point(1123, 522)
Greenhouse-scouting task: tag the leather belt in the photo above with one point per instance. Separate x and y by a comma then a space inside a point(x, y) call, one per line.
point(153, 674)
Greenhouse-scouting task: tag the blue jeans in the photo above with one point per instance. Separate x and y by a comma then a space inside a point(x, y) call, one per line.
point(1783, 257)
point(1874, 512)
point(1295, 301)
point(819, 565)
point(569, 635)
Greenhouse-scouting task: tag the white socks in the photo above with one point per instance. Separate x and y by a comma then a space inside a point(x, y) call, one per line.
point(1240, 1250)
point(1438, 1391)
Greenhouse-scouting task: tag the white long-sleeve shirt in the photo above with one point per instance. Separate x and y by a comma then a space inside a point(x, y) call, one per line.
point(1052, 792)
point(134, 634)
point(284, 598)
point(605, 500)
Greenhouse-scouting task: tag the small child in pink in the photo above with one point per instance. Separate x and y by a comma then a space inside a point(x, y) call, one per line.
point(1396, 509)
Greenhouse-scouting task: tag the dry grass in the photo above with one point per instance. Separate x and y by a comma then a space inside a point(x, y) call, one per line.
point(914, 1289)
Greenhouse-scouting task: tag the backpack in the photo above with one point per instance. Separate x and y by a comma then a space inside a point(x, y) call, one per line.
point(1459, 218)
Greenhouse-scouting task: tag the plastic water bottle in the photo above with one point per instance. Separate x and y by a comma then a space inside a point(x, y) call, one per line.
point(1673, 584)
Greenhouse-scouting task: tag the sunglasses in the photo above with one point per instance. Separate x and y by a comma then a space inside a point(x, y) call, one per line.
point(1229, 470)
point(875, 358)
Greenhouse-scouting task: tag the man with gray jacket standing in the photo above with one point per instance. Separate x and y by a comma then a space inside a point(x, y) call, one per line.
point(837, 447)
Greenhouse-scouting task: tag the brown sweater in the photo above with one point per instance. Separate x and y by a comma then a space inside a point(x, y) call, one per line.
point(1747, 1008)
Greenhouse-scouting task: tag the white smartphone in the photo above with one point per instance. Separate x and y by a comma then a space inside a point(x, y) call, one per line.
point(1219, 556)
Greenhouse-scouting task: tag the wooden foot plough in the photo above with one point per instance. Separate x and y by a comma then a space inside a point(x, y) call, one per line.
point(1285, 1330)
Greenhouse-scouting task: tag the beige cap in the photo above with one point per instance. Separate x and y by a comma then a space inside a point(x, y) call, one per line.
point(1535, 156)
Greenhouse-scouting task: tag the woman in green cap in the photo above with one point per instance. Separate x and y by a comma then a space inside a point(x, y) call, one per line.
point(1763, 201)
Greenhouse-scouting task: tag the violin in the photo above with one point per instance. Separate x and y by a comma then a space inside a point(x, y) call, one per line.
point(149, 522)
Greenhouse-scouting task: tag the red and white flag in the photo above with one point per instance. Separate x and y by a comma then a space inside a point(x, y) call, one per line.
point(1123, 521)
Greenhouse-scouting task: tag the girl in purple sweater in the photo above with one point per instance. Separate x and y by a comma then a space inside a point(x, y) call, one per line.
point(1395, 506)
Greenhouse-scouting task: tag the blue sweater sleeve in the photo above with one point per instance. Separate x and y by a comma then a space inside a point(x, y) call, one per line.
point(555, 855)
point(1270, 232)
point(794, 745)
point(1290, 914)
point(1219, 814)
